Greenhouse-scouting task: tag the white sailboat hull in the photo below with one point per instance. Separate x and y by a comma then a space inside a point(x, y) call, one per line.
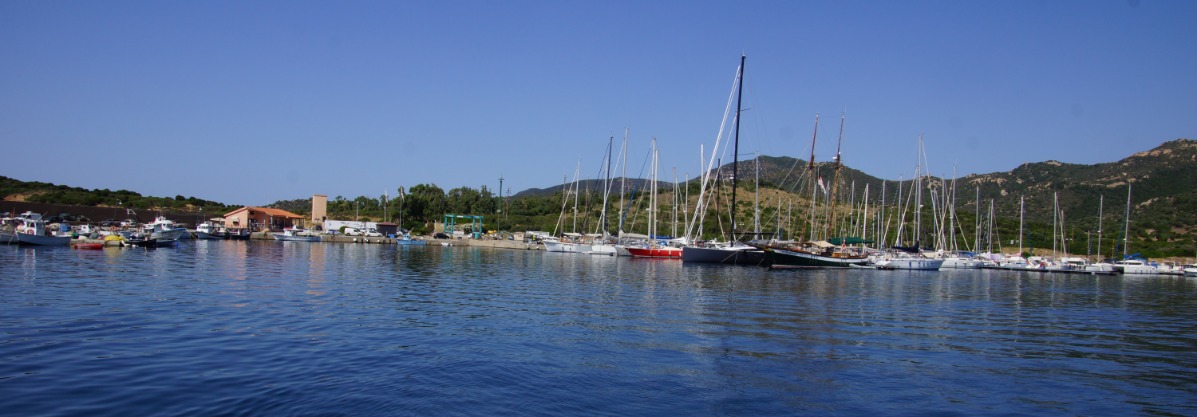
point(567, 247)
point(961, 263)
point(913, 264)
point(602, 249)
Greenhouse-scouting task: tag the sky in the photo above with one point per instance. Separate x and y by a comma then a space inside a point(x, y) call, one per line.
point(249, 102)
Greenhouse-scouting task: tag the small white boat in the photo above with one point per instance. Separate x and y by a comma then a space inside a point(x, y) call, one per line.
point(209, 230)
point(406, 240)
point(296, 235)
point(1190, 270)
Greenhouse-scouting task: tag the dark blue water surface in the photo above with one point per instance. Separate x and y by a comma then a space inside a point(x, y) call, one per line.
point(215, 328)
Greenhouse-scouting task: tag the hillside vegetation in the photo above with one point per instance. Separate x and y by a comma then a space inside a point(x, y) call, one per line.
point(41, 192)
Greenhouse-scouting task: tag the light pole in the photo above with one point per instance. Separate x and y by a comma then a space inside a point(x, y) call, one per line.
point(499, 214)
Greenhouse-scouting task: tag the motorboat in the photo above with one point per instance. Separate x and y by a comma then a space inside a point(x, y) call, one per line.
point(291, 234)
point(164, 230)
point(32, 231)
point(209, 230)
point(139, 240)
point(406, 240)
point(1190, 270)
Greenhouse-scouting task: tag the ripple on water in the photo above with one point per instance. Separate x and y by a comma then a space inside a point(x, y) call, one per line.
point(269, 328)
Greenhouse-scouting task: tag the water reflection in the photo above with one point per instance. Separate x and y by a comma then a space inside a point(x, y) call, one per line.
point(414, 328)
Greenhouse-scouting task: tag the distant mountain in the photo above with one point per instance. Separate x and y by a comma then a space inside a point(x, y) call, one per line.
point(594, 186)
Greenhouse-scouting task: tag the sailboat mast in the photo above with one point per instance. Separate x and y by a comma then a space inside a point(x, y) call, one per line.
point(864, 215)
point(654, 216)
point(623, 180)
point(1100, 203)
point(835, 178)
point(1055, 221)
point(606, 190)
point(756, 210)
point(989, 238)
point(1126, 230)
point(1021, 206)
point(811, 171)
point(977, 220)
point(918, 198)
point(685, 205)
point(736, 149)
point(577, 172)
point(675, 201)
point(882, 224)
point(952, 212)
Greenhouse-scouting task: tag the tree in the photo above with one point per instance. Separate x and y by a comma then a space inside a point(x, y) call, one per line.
point(424, 202)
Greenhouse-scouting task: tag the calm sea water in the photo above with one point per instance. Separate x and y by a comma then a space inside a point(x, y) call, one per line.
point(215, 328)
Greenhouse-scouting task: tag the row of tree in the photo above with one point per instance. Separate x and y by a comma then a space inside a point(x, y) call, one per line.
point(41, 192)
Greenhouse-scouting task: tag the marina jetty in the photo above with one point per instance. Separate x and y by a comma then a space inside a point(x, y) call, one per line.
point(429, 240)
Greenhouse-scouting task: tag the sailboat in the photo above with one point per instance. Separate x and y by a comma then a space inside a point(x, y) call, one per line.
point(569, 242)
point(1130, 264)
point(957, 259)
point(734, 252)
point(655, 248)
point(817, 253)
point(602, 244)
point(1100, 266)
point(912, 258)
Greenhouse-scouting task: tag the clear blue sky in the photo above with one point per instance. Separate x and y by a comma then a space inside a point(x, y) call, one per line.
point(252, 102)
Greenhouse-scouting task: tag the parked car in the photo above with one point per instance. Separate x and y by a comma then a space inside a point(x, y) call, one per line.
point(373, 233)
point(352, 231)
